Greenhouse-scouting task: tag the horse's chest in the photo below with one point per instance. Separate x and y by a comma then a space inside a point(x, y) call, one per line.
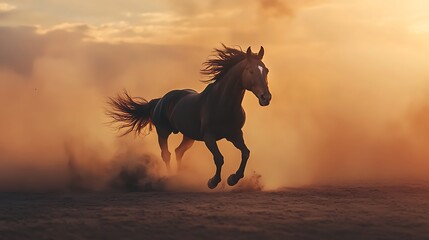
point(227, 122)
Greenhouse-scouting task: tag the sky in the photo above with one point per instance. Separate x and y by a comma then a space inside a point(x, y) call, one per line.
point(349, 81)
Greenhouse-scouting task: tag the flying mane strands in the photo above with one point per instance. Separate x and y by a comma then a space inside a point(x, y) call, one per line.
point(221, 62)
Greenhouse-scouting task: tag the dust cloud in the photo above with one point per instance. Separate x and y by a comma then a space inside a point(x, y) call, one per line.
point(349, 101)
point(55, 134)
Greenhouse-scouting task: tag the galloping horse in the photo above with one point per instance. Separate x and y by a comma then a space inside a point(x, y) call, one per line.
point(209, 116)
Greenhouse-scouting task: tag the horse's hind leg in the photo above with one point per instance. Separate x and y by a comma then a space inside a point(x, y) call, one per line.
point(163, 143)
point(238, 142)
point(218, 159)
point(182, 148)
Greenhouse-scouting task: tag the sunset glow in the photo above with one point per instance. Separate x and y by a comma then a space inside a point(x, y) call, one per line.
point(349, 80)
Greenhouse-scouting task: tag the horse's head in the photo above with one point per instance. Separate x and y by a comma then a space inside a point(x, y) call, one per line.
point(255, 77)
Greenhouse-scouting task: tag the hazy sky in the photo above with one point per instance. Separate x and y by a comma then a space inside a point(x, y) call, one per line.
point(185, 21)
point(349, 79)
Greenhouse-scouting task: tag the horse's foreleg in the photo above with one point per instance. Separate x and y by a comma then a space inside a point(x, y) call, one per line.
point(238, 142)
point(218, 159)
point(182, 148)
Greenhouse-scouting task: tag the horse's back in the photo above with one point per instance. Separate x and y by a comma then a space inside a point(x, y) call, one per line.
point(165, 107)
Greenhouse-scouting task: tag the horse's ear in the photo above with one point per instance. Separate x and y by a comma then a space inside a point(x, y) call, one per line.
point(249, 52)
point(261, 53)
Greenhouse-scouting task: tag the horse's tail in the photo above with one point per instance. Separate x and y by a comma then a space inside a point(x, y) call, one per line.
point(133, 114)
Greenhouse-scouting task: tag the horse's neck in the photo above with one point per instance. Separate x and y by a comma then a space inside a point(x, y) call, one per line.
point(229, 90)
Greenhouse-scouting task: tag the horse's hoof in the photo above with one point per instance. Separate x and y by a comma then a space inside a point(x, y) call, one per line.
point(212, 183)
point(233, 179)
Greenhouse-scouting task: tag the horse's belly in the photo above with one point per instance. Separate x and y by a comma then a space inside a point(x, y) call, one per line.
point(186, 117)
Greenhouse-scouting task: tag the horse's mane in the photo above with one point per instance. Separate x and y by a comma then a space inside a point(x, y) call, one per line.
point(221, 62)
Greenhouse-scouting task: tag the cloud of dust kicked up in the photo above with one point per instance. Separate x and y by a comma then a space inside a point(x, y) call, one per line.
point(349, 102)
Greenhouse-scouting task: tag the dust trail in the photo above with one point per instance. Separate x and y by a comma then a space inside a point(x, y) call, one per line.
point(127, 171)
point(252, 183)
point(53, 132)
point(137, 175)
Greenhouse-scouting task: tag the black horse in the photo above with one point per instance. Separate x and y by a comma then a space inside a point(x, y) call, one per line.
point(209, 116)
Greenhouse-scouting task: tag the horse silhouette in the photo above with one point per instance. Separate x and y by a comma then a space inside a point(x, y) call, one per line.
point(209, 116)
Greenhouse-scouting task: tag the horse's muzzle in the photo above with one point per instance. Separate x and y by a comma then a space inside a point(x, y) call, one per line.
point(264, 99)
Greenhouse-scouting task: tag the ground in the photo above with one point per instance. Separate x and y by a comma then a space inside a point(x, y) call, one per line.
point(364, 212)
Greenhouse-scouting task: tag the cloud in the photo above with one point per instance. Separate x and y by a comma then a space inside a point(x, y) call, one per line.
point(17, 53)
point(275, 8)
point(6, 7)
point(203, 23)
point(160, 18)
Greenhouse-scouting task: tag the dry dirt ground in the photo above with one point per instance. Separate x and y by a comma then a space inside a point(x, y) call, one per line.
point(368, 212)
